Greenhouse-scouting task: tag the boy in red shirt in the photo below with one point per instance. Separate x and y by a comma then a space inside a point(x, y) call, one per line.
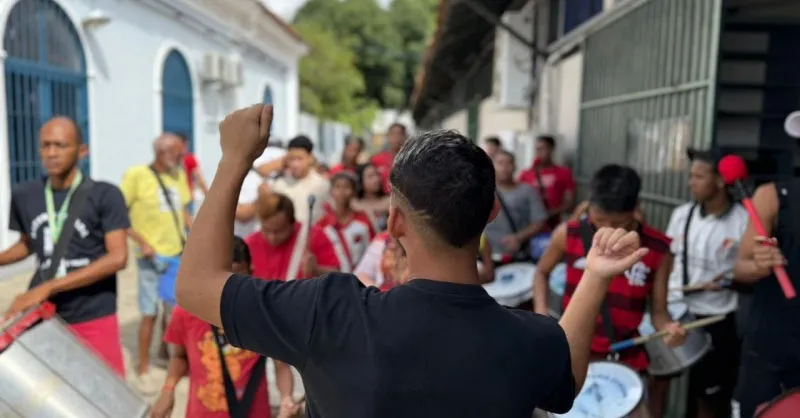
point(195, 351)
point(348, 230)
point(278, 250)
point(383, 161)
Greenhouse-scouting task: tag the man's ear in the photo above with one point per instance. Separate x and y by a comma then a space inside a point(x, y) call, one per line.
point(397, 224)
point(495, 210)
point(83, 151)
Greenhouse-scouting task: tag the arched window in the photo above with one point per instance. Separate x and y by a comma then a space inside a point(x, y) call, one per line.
point(177, 97)
point(45, 76)
point(267, 95)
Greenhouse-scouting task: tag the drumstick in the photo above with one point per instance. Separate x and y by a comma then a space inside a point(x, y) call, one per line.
point(622, 345)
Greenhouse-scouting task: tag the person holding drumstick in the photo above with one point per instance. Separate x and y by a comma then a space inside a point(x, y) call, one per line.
point(770, 362)
point(436, 346)
point(83, 285)
point(614, 198)
point(705, 237)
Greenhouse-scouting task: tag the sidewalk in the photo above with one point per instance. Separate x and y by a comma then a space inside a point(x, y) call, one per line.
point(128, 313)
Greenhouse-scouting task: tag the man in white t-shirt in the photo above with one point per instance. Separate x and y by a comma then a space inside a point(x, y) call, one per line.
point(301, 181)
point(269, 164)
point(706, 232)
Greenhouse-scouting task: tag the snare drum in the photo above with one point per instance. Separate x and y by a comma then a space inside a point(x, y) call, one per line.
point(611, 390)
point(512, 285)
point(46, 372)
point(666, 361)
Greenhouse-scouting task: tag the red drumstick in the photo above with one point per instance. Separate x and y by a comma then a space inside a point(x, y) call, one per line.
point(733, 170)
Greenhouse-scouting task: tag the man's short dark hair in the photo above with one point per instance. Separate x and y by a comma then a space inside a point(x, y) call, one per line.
point(301, 142)
point(615, 189)
point(447, 184)
point(241, 253)
point(493, 140)
point(397, 125)
point(711, 157)
point(547, 139)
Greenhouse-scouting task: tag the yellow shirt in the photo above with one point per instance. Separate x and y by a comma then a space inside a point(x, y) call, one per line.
point(483, 242)
point(149, 212)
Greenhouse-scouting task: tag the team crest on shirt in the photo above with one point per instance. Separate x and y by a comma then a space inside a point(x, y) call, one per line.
point(637, 275)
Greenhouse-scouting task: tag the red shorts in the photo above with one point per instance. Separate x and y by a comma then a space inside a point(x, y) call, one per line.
point(103, 337)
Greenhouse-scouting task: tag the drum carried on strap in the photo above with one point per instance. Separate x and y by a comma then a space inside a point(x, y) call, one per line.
point(46, 372)
point(512, 285)
point(667, 361)
point(611, 390)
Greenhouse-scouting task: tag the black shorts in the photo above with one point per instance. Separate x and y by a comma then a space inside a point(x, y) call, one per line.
point(713, 378)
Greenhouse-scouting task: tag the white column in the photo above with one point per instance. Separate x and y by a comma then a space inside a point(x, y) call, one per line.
point(292, 101)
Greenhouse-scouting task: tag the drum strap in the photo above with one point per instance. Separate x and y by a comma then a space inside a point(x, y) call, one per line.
point(76, 205)
point(587, 232)
point(238, 408)
point(173, 208)
point(685, 254)
point(523, 248)
point(554, 220)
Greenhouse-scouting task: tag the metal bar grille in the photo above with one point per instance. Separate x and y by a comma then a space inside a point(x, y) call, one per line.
point(45, 76)
point(648, 86)
point(177, 97)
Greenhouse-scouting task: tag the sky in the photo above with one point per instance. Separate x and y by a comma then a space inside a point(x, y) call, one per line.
point(287, 8)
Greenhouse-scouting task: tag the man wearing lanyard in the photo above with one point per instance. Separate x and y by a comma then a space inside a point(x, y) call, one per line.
point(705, 237)
point(84, 284)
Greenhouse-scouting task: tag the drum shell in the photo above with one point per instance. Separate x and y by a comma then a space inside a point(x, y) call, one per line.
point(666, 361)
point(47, 373)
point(514, 292)
point(555, 290)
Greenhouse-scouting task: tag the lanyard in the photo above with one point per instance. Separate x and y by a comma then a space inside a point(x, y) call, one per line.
point(56, 220)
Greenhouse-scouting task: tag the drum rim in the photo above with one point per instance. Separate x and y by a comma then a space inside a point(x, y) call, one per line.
point(776, 400)
point(623, 366)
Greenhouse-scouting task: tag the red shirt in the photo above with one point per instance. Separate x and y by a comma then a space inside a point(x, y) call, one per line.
point(272, 262)
point(206, 387)
point(383, 162)
point(556, 181)
point(627, 294)
point(189, 166)
point(350, 239)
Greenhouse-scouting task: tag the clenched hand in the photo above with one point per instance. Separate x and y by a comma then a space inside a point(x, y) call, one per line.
point(613, 252)
point(244, 134)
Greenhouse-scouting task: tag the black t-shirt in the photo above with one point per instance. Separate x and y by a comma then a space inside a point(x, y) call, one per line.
point(104, 211)
point(425, 349)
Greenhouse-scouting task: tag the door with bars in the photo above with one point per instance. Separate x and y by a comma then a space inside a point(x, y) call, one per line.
point(45, 71)
point(177, 98)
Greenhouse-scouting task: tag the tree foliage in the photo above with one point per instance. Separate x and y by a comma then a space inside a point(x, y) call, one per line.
point(383, 46)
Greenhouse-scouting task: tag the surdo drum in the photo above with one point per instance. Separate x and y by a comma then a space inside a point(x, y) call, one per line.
point(611, 390)
point(45, 372)
point(666, 361)
point(512, 285)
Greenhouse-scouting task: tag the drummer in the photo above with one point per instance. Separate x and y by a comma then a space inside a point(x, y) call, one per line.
point(85, 292)
point(614, 197)
point(523, 214)
point(278, 250)
point(706, 232)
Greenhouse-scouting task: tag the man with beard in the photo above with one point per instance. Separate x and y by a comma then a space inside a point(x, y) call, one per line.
point(157, 196)
point(418, 349)
point(83, 285)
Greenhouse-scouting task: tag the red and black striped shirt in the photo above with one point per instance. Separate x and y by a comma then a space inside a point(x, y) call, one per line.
point(627, 294)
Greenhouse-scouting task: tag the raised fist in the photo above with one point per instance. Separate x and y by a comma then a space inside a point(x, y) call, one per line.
point(245, 133)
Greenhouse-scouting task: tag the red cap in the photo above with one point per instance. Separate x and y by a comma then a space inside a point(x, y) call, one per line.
point(732, 168)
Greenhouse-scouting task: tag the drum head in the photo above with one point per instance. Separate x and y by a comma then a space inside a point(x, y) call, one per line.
point(611, 390)
point(558, 279)
point(511, 280)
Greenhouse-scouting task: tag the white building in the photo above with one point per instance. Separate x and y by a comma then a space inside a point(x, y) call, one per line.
point(128, 70)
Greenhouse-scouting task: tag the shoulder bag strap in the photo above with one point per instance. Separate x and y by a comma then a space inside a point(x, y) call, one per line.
point(298, 252)
point(238, 408)
point(685, 254)
point(75, 206)
point(174, 211)
point(586, 236)
point(506, 212)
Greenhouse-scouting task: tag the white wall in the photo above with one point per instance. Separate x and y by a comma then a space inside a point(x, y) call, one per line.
point(124, 61)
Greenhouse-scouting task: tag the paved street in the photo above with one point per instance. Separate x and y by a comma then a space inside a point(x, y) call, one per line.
point(128, 317)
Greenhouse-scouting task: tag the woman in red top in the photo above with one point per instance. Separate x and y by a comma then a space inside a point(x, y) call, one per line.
point(352, 149)
point(613, 200)
point(371, 198)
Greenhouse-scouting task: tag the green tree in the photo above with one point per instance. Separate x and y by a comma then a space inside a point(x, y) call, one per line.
point(414, 21)
point(331, 86)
